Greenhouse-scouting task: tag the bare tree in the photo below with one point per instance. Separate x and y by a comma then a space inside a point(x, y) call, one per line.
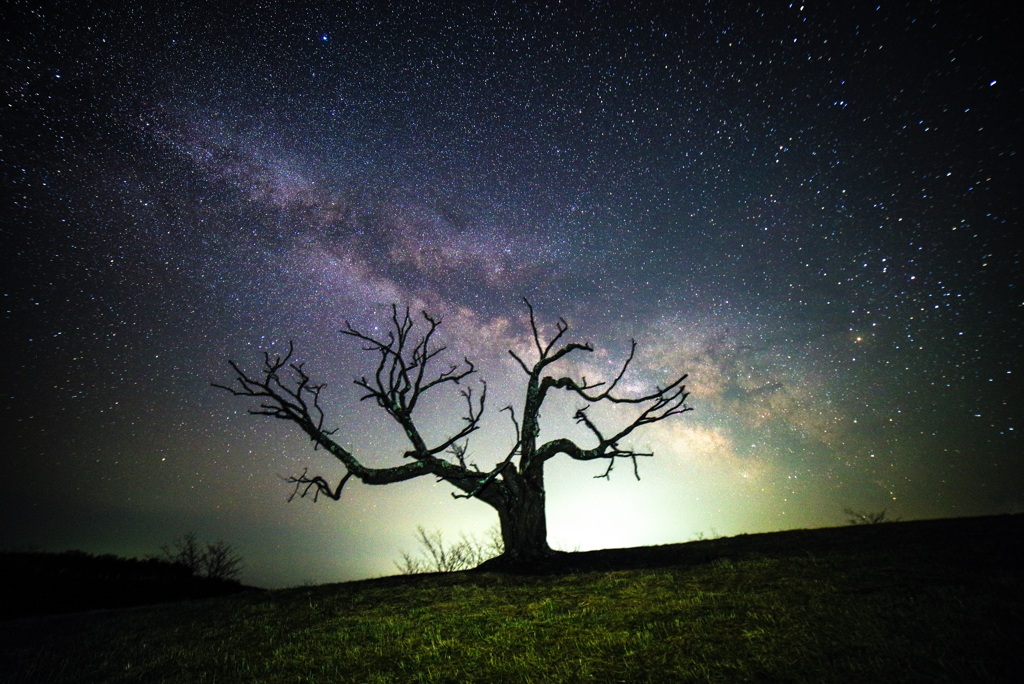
point(221, 562)
point(215, 561)
point(404, 374)
point(186, 551)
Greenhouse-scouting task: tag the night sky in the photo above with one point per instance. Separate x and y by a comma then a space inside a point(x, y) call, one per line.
point(813, 209)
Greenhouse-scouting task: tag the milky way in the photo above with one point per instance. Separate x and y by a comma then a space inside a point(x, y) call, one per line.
point(811, 209)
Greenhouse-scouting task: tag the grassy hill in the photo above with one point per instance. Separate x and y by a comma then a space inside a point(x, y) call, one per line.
point(929, 601)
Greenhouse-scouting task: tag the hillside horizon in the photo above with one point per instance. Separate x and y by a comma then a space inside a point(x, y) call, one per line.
point(936, 600)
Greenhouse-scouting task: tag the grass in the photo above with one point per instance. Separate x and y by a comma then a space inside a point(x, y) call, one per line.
point(898, 602)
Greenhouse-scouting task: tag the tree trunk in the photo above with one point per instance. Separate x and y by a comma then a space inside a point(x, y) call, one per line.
point(524, 526)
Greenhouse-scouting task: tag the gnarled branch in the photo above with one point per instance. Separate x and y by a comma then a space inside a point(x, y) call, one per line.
point(284, 390)
point(320, 484)
point(657, 405)
point(278, 399)
point(498, 469)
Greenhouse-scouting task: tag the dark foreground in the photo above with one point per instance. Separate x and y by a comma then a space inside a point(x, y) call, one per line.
point(931, 601)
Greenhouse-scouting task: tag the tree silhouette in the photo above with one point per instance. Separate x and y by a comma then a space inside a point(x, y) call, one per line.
point(405, 373)
point(216, 560)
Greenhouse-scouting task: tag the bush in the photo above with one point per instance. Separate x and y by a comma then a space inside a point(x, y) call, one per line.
point(437, 556)
point(866, 517)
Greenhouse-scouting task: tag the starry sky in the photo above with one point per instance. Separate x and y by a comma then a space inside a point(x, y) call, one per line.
point(811, 208)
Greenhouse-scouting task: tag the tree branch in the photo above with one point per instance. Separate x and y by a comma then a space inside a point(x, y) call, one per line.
point(657, 405)
point(497, 470)
point(285, 391)
point(278, 399)
point(318, 482)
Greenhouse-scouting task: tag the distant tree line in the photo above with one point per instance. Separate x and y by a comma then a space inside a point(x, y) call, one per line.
point(39, 583)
